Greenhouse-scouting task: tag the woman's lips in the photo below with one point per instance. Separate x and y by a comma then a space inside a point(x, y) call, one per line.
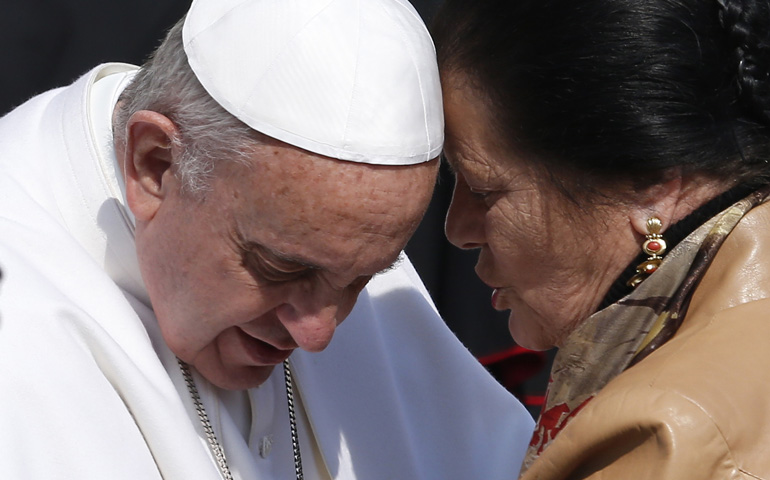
point(262, 353)
point(495, 290)
point(495, 295)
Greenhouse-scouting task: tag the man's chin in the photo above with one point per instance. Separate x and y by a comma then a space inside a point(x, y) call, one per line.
point(241, 378)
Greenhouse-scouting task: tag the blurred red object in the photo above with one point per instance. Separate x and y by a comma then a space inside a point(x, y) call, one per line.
point(513, 367)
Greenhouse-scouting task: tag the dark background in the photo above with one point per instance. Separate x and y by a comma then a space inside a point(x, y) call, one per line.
point(50, 43)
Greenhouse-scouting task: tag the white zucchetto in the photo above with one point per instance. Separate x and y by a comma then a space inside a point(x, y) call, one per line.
point(354, 80)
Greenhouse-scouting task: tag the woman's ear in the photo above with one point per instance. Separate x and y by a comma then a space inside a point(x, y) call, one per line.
point(660, 200)
point(146, 159)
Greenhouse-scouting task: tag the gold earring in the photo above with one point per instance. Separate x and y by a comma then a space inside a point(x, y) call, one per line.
point(655, 247)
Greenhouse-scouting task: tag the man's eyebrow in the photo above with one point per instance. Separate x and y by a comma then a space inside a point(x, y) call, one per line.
point(270, 254)
point(259, 249)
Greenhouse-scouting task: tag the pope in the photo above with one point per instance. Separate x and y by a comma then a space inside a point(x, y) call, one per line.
point(180, 242)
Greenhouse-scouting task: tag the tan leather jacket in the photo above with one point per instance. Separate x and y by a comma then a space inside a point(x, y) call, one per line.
point(699, 407)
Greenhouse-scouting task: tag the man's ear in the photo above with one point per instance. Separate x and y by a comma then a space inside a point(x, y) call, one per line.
point(147, 161)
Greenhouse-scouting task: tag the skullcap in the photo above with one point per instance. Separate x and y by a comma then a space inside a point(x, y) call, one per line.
point(355, 80)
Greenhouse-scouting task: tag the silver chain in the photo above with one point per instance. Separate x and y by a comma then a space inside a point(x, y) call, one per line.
point(292, 420)
point(211, 437)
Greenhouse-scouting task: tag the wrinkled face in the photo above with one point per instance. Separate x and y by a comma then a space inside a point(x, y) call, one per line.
point(274, 257)
point(549, 262)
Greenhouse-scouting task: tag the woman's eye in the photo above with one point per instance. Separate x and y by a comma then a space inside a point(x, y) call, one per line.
point(482, 194)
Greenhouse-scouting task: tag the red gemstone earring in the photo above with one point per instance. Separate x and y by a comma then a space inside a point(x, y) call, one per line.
point(655, 247)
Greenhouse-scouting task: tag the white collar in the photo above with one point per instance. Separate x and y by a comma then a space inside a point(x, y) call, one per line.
point(103, 98)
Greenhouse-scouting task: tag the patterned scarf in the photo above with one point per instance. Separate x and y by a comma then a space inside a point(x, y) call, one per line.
point(622, 334)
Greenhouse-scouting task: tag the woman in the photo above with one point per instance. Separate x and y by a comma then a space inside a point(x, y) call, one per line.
point(611, 159)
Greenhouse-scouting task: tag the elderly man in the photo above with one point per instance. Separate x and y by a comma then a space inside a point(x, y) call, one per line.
point(180, 243)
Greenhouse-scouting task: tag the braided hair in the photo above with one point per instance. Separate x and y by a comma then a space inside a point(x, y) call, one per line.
point(746, 23)
point(598, 90)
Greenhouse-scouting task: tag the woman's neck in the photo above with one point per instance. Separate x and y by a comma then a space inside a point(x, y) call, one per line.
point(675, 234)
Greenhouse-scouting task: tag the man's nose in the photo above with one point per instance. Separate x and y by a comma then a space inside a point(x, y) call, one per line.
point(311, 320)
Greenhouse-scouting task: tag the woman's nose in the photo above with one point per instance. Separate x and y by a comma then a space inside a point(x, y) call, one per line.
point(465, 219)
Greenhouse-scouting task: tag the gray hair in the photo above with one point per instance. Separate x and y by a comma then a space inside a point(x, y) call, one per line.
point(207, 132)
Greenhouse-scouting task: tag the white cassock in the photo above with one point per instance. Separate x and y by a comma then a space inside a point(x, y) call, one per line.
point(88, 388)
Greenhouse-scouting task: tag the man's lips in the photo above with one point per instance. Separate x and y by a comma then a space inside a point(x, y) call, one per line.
point(260, 352)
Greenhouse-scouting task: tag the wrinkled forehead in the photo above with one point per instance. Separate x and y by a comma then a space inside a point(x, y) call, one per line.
point(294, 200)
point(470, 136)
point(311, 173)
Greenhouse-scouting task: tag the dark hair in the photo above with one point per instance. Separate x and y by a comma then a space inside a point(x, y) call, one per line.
point(619, 88)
